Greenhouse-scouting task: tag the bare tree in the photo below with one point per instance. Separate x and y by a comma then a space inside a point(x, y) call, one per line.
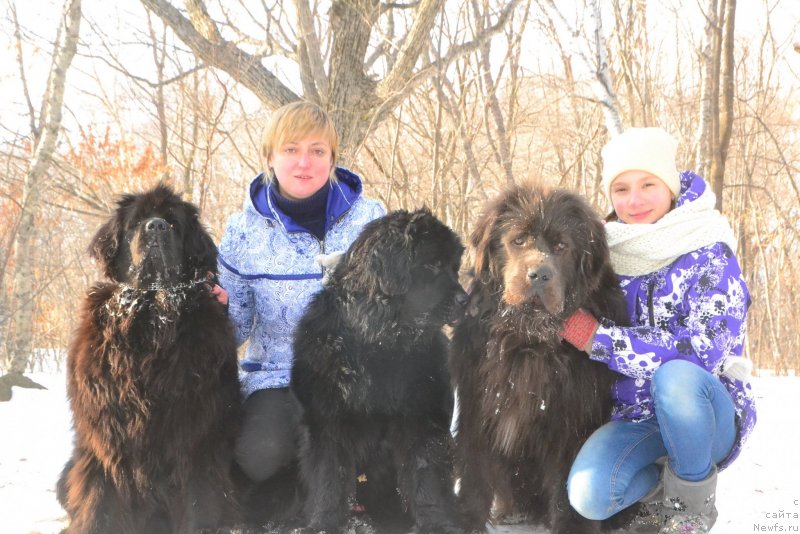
point(370, 70)
point(45, 133)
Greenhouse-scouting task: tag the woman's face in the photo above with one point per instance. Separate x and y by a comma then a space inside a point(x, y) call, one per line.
point(302, 167)
point(639, 197)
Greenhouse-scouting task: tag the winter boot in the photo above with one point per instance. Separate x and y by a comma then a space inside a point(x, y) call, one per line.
point(645, 516)
point(689, 506)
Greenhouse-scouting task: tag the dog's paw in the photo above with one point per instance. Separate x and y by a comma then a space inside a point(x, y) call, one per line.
point(359, 525)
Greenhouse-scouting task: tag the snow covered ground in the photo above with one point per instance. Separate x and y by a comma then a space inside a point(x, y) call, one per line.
point(759, 493)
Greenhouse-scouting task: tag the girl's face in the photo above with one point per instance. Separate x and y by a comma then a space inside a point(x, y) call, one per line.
point(302, 167)
point(639, 197)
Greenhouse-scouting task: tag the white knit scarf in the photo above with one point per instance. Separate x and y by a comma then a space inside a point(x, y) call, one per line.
point(638, 249)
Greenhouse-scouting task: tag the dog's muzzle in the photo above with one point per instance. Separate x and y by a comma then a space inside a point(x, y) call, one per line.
point(155, 260)
point(545, 287)
point(459, 307)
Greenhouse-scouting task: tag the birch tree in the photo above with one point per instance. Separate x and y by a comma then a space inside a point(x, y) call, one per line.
point(593, 56)
point(45, 129)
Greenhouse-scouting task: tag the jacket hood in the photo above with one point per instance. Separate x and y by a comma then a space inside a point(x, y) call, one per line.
point(344, 192)
point(692, 186)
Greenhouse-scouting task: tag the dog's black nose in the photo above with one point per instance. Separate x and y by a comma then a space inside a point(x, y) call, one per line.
point(542, 274)
point(155, 225)
point(462, 298)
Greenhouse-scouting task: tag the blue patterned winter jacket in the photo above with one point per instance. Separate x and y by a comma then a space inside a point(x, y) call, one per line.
point(267, 265)
point(694, 309)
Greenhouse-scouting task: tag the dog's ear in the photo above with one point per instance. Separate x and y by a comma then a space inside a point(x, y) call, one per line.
point(379, 261)
point(390, 269)
point(104, 246)
point(419, 223)
point(483, 237)
point(373, 271)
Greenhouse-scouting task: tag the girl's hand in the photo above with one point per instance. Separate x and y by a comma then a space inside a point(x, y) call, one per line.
point(578, 330)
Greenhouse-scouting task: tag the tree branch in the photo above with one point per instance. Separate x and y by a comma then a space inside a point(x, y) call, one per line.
point(241, 66)
point(602, 85)
point(144, 81)
point(414, 42)
point(391, 96)
point(202, 22)
point(18, 37)
point(310, 41)
point(55, 90)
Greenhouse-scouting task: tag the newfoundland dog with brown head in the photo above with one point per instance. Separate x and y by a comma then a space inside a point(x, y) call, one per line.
point(370, 370)
point(527, 399)
point(152, 378)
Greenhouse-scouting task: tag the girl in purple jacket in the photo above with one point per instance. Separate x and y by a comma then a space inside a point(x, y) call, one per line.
point(683, 406)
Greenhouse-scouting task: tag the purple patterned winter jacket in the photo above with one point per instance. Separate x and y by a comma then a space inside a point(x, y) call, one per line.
point(694, 309)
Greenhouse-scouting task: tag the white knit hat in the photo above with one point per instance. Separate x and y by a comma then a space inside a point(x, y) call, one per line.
point(642, 149)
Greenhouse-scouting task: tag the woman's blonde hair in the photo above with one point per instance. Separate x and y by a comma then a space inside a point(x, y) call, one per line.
point(294, 122)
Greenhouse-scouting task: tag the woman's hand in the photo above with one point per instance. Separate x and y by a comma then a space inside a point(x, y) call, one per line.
point(220, 294)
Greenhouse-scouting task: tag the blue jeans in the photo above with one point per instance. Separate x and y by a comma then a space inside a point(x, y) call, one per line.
point(694, 427)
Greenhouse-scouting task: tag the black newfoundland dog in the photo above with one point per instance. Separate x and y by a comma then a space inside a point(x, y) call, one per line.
point(527, 399)
point(152, 379)
point(370, 370)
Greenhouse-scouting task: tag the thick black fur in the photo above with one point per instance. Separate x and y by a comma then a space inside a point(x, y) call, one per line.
point(152, 379)
point(528, 400)
point(370, 370)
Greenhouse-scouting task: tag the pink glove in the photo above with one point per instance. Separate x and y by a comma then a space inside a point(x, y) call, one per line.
point(579, 328)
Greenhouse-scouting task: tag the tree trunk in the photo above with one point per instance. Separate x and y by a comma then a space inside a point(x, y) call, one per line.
point(716, 102)
point(708, 105)
point(503, 149)
point(350, 92)
point(24, 281)
point(727, 82)
point(159, 100)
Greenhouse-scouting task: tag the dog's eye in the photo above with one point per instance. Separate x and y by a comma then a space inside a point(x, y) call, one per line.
point(519, 241)
point(559, 247)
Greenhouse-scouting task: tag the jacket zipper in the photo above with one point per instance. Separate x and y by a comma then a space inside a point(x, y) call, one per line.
point(322, 241)
point(333, 222)
point(650, 313)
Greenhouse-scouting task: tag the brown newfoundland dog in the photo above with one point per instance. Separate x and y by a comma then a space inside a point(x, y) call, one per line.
point(528, 400)
point(151, 378)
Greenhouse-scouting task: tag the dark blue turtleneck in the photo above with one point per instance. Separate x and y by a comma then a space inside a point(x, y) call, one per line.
point(308, 212)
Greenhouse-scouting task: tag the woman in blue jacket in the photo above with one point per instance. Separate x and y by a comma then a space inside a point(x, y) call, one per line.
point(302, 208)
point(683, 406)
